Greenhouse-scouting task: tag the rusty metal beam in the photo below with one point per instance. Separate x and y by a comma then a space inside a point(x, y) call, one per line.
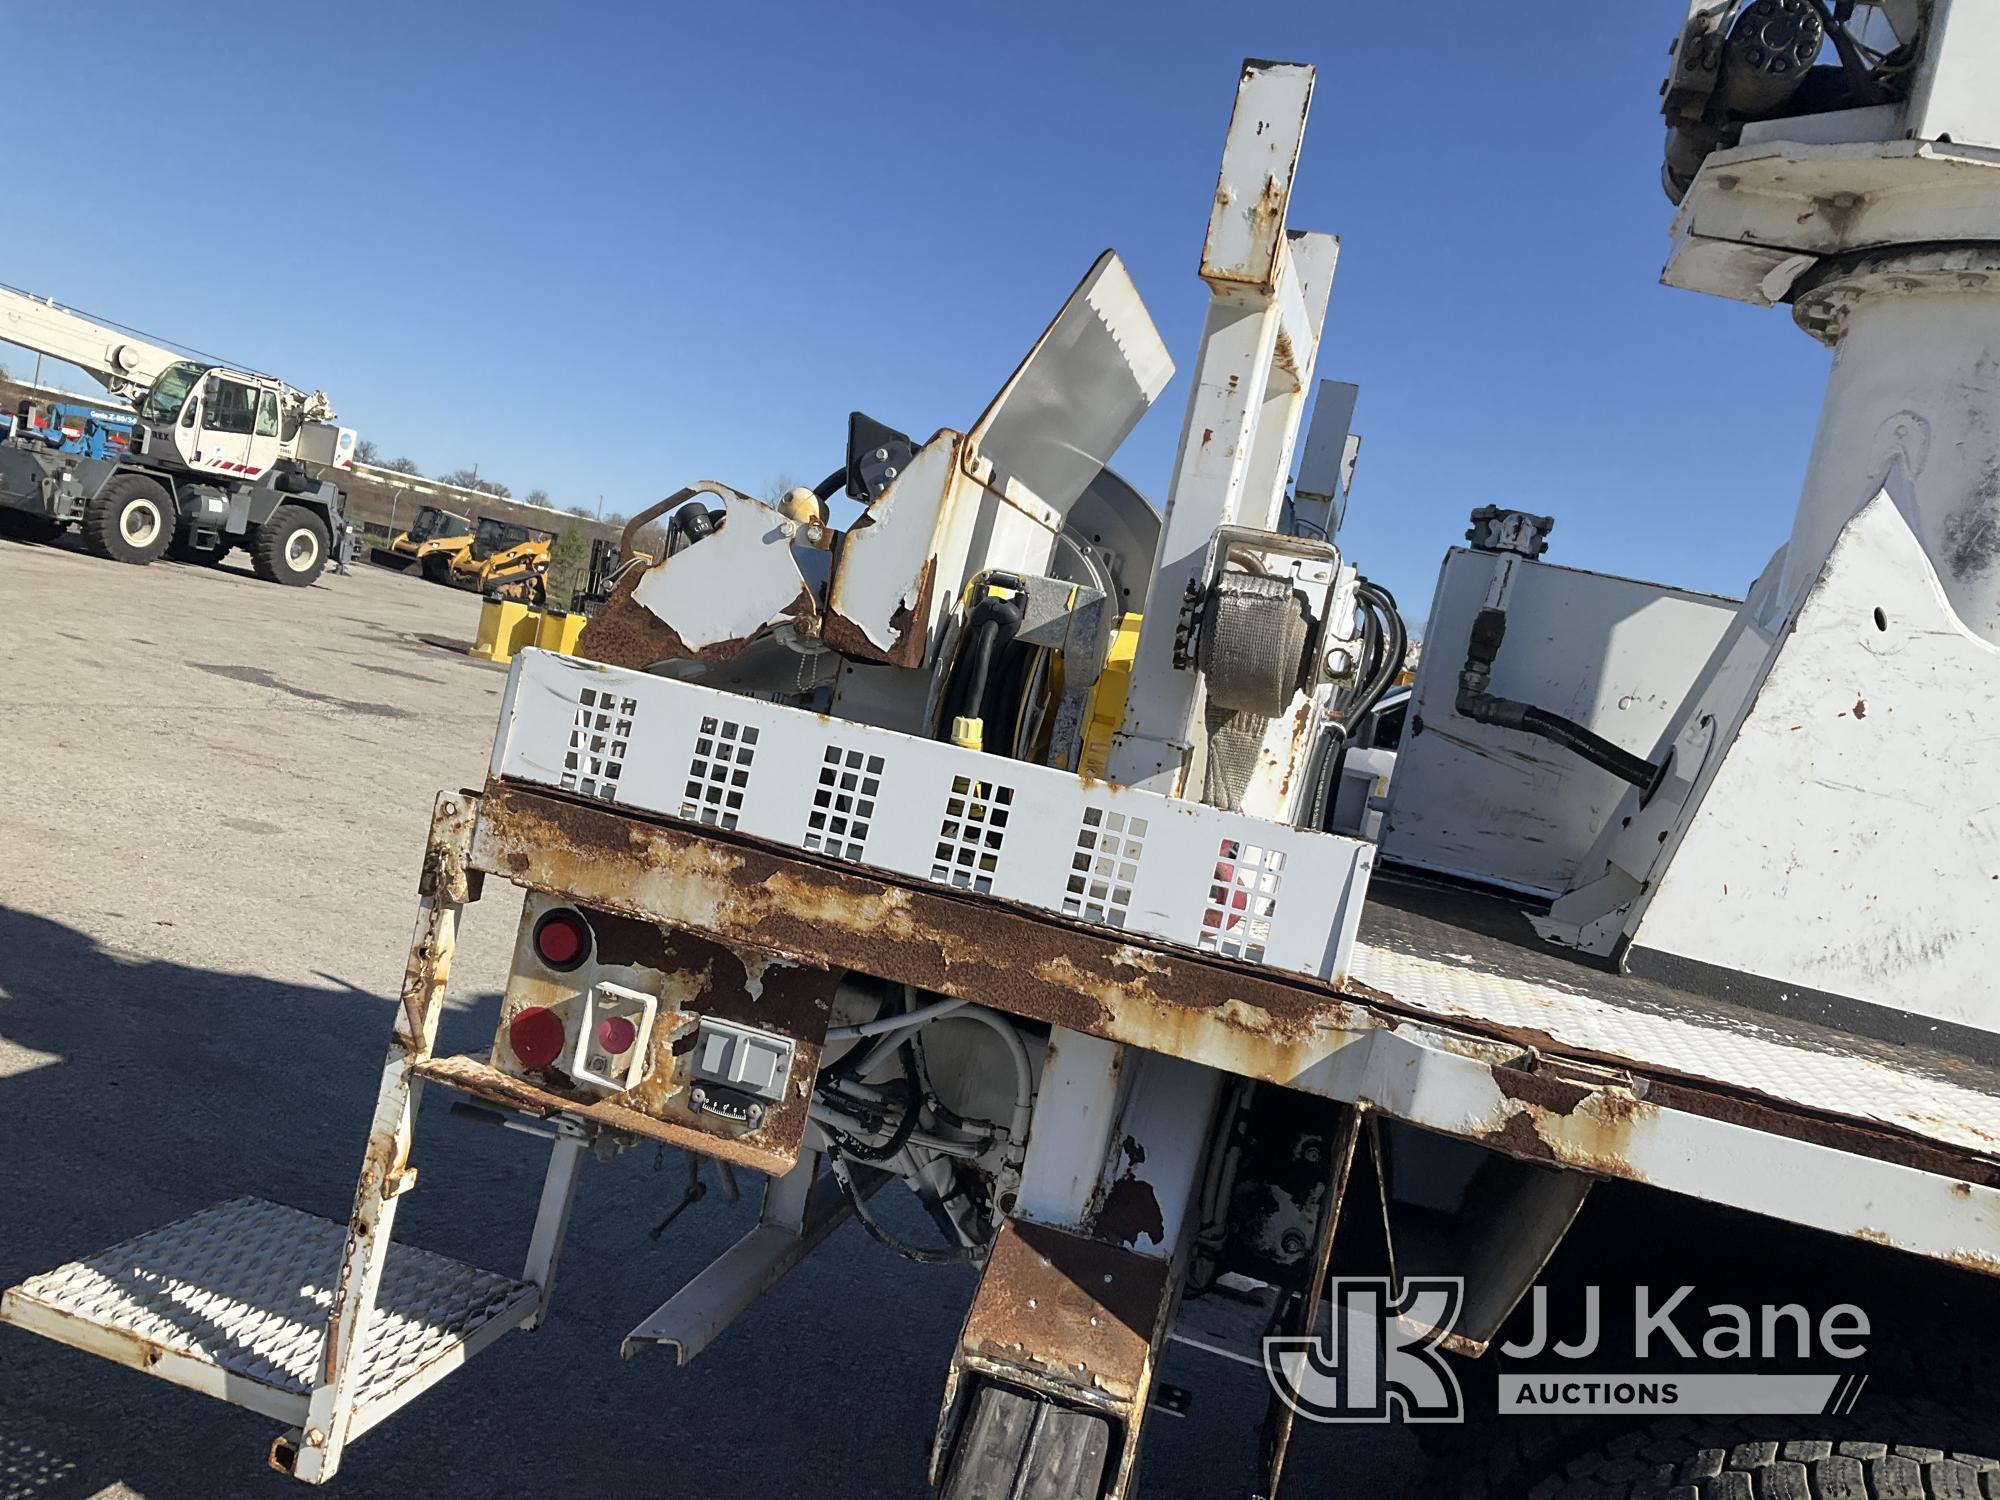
point(1071, 1318)
point(1355, 1046)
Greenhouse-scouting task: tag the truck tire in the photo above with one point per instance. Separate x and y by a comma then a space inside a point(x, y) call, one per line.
point(1904, 1449)
point(290, 548)
point(1019, 1447)
point(131, 520)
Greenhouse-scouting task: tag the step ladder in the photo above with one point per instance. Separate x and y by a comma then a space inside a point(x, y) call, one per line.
point(233, 1302)
point(325, 1326)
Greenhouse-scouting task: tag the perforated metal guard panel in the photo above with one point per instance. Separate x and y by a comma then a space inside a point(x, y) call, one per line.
point(234, 1300)
point(1176, 871)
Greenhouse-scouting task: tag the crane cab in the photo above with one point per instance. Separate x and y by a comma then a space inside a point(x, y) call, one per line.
point(221, 422)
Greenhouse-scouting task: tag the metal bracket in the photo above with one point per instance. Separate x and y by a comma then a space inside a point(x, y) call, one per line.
point(1518, 531)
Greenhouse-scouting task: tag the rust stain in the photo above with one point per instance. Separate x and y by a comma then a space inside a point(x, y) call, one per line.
point(691, 976)
point(1557, 1095)
point(969, 949)
point(1251, 1021)
point(624, 633)
point(1966, 1260)
point(1074, 1311)
point(907, 626)
point(472, 1075)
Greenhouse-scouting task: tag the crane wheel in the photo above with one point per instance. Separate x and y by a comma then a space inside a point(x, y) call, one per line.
point(1025, 1448)
point(131, 520)
point(290, 548)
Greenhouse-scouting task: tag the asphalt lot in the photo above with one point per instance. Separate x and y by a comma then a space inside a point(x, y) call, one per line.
point(219, 790)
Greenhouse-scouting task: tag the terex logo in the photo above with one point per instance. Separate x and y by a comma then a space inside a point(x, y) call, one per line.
point(1373, 1365)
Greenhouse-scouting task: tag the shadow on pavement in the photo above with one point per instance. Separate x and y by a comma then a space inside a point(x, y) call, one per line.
point(136, 1091)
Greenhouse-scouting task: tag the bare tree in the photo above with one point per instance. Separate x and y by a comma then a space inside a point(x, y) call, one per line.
point(399, 466)
point(541, 498)
point(365, 453)
point(468, 479)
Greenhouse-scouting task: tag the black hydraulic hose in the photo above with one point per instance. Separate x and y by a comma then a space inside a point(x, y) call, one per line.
point(1006, 695)
point(825, 489)
point(1385, 640)
point(1327, 757)
point(969, 672)
point(953, 1255)
point(992, 626)
point(1489, 629)
point(1395, 645)
point(899, 1137)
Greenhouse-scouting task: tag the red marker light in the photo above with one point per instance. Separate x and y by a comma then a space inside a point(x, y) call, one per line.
point(562, 939)
point(537, 1037)
point(615, 1034)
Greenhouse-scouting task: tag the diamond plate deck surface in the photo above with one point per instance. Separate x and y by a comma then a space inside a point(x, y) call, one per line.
point(1474, 961)
point(245, 1287)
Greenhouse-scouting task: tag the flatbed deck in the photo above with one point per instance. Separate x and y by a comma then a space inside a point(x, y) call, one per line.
point(1472, 959)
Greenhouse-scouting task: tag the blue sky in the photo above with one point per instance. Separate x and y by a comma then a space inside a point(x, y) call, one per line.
point(606, 249)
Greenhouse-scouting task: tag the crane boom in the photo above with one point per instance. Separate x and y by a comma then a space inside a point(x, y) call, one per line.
point(125, 364)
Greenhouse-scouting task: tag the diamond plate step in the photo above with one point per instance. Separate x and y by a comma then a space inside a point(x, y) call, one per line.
point(233, 1302)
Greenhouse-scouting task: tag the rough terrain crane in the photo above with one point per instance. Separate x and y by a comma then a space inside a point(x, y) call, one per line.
point(1673, 964)
point(219, 457)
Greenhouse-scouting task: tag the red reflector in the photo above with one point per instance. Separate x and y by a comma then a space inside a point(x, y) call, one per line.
point(536, 1035)
point(615, 1034)
point(562, 939)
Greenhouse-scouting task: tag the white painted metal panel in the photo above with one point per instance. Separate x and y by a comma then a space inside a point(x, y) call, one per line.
point(1183, 873)
point(743, 578)
point(1246, 228)
point(1615, 654)
point(1955, 98)
point(1850, 840)
point(1082, 389)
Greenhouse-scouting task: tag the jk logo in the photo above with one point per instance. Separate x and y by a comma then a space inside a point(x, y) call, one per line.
point(1380, 1360)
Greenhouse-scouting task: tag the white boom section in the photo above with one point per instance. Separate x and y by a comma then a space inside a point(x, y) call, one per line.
point(1268, 289)
point(126, 364)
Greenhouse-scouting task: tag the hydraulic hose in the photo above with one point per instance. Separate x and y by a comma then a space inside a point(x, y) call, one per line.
point(1395, 645)
point(1489, 629)
point(1385, 641)
point(953, 1255)
point(829, 486)
point(913, 1106)
point(991, 627)
point(894, 1021)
